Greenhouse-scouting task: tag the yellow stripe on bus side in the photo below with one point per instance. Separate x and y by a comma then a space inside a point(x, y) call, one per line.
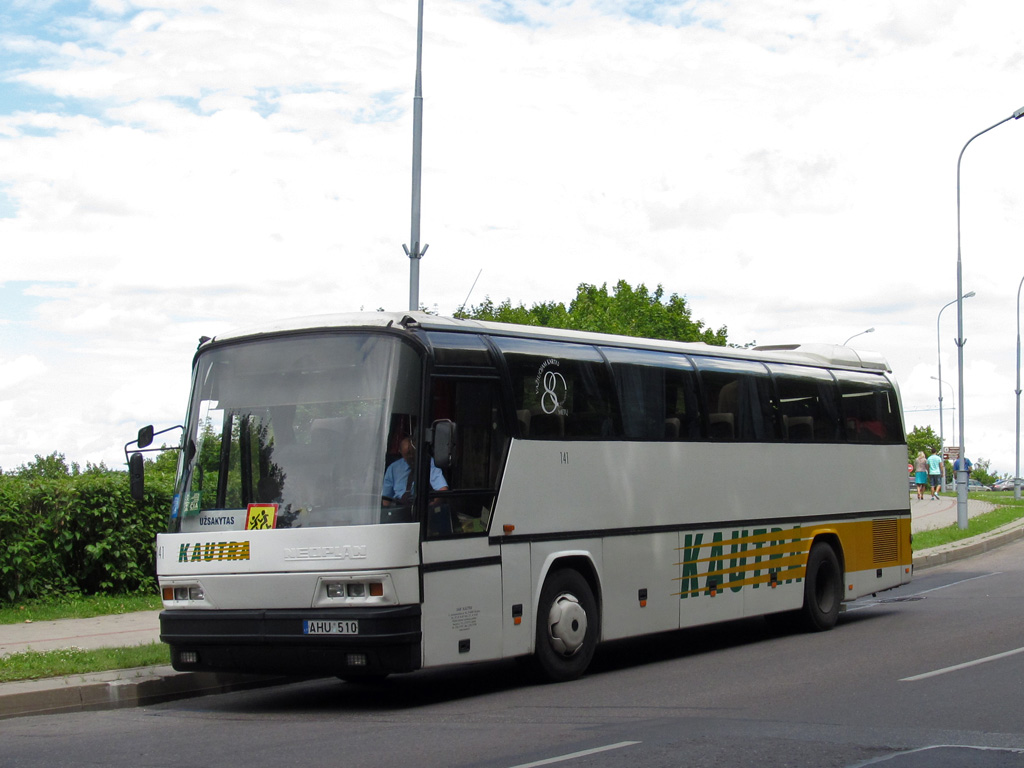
point(776, 534)
point(765, 553)
point(865, 545)
point(766, 578)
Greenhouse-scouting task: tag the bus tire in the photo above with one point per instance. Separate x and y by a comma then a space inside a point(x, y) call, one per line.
point(568, 626)
point(823, 589)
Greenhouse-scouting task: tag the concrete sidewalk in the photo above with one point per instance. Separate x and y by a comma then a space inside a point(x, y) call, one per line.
point(929, 513)
point(116, 631)
point(150, 685)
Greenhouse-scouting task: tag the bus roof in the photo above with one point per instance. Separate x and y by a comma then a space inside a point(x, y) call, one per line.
point(824, 355)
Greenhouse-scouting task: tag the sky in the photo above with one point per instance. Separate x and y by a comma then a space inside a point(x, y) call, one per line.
point(182, 168)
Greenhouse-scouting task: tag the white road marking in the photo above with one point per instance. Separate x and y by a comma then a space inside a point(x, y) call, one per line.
point(895, 755)
point(962, 581)
point(574, 755)
point(884, 601)
point(965, 665)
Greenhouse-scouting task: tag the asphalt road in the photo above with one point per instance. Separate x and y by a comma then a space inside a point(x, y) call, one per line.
point(929, 675)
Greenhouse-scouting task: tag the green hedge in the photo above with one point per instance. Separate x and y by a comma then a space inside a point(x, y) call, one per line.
point(78, 532)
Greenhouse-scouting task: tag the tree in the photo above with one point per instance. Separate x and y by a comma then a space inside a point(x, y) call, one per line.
point(982, 472)
point(54, 467)
point(49, 467)
point(922, 439)
point(626, 311)
point(163, 466)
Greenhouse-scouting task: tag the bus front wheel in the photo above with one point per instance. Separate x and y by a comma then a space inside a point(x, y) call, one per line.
point(568, 626)
point(823, 589)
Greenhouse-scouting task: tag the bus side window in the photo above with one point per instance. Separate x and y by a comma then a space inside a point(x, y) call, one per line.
point(657, 394)
point(869, 409)
point(808, 404)
point(737, 397)
point(560, 390)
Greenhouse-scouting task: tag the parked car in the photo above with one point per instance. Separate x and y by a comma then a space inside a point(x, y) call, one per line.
point(977, 485)
point(1004, 485)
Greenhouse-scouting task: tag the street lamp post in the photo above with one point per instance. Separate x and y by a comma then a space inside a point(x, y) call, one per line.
point(961, 474)
point(1016, 471)
point(416, 253)
point(938, 344)
point(941, 439)
point(869, 330)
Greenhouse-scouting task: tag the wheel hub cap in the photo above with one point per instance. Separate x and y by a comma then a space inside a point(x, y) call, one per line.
point(567, 625)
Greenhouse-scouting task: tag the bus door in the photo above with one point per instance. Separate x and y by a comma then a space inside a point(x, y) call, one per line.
point(462, 598)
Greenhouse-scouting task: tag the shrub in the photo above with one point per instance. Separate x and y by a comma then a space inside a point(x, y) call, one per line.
point(28, 564)
point(77, 532)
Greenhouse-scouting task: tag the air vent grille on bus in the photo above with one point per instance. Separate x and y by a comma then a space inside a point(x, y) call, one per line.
point(885, 540)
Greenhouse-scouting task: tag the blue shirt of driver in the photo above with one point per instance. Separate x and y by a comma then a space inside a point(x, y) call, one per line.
point(396, 476)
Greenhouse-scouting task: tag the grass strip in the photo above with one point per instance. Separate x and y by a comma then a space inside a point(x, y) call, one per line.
point(78, 607)
point(1009, 511)
point(36, 665)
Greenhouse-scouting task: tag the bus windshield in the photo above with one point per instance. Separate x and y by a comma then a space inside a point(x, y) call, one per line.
point(293, 432)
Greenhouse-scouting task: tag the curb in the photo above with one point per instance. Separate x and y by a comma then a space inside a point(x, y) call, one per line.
point(975, 545)
point(118, 689)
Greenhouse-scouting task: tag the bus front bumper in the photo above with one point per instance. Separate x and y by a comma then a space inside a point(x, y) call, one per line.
point(295, 642)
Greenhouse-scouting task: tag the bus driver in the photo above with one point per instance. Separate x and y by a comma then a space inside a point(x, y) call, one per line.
point(399, 487)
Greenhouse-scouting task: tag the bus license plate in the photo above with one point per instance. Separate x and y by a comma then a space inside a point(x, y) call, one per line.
point(330, 627)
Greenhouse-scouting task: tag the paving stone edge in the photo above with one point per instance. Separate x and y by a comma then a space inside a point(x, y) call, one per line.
point(118, 689)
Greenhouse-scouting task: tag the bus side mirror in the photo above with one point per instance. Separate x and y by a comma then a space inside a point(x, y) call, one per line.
point(145, 437)
point(442, 444)
point(136, 476)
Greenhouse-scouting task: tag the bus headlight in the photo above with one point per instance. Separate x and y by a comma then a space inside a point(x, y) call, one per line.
point(344, 589)
point(335, 591)
point(183, 593)
point(355, 589)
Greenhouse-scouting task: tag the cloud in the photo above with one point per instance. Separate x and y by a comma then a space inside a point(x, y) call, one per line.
point(184, 168)
point(18, 371)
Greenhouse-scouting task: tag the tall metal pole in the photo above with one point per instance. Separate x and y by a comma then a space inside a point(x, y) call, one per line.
point(961, 475)
point(415, 254)
point(938, 344)
point(1016, 471)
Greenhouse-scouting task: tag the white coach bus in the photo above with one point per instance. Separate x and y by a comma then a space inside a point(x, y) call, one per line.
point(578, 488)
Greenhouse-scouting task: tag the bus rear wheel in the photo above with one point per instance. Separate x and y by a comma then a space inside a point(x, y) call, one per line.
point(568, 626)
point(823, 589)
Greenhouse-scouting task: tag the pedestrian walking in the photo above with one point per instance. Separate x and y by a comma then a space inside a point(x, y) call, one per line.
point(935, 473)
point(921, 473)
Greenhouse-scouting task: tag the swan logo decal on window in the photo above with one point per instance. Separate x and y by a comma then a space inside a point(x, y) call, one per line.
point(552, 399)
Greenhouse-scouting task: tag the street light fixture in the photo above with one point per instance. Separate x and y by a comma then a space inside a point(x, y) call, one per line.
point(961, 475)
point(938, 343)
point(869, 330)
